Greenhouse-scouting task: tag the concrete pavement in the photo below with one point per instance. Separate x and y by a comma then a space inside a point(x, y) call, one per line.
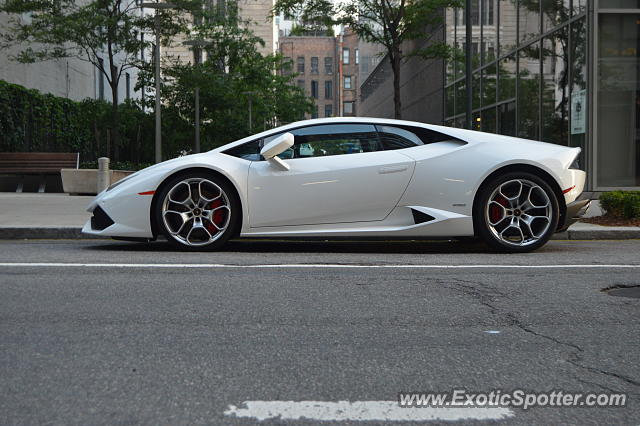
point(61, 216)
point(33, 215)
point(137, 344)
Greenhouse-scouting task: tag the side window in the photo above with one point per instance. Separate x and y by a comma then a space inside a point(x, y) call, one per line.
point(251, 150)
point(430, 136)
point(247, 151)
point(397, 138)
point(335, 139)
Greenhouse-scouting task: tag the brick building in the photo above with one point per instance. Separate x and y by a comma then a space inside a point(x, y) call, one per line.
point(315, 61)
point(327, 70)
point(349, 64)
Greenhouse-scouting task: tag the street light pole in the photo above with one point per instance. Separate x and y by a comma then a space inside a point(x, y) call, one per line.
point(468, 66)
point(250, 95)
point(197, 95)
point(196, 62)
point(157, 6)
point(250, 113)
point(157, 78)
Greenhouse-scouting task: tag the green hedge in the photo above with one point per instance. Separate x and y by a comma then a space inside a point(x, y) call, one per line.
point(621, 204)
point(31, 121)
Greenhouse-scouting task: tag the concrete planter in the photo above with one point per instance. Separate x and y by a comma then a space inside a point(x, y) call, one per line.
point(85, 181)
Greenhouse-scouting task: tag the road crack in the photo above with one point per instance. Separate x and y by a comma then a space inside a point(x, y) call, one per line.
point(487, 296)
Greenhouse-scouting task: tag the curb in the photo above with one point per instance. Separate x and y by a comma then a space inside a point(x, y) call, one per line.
point(598, 234)
point(604, 234)
point(74, 233)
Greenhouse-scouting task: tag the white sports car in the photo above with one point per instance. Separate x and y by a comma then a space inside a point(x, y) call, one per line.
point(351, 177)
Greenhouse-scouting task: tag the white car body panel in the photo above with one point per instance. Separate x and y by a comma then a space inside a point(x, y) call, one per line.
point(360, 187)
point(361, 194)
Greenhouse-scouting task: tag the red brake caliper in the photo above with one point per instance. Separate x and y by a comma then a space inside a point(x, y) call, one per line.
point(495, 212)
point(218, 216)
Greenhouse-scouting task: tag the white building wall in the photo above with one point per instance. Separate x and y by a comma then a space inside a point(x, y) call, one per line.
point(71, 78)
point(262, 24)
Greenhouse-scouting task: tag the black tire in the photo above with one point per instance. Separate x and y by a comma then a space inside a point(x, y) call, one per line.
point(511, 228)
point(220, 222)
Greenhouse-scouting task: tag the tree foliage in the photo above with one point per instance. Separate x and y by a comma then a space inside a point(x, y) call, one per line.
point(31, 121)
point(105, 33)
point(389, 23)
point(110, 30)
point(232, 74)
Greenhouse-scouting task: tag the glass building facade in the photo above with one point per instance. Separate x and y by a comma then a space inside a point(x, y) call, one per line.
point(560, 71)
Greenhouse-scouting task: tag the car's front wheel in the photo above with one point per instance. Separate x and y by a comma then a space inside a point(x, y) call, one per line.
point(516, 212)
point(197, 211)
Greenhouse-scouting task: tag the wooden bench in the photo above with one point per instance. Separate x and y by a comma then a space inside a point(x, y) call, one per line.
point(37, 163)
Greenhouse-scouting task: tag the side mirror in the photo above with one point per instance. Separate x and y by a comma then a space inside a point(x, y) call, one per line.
point(277, 146)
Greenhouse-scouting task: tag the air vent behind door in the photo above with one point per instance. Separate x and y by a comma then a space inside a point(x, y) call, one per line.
point(419, 217)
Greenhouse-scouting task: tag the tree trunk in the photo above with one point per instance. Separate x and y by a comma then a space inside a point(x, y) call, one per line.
point(395, 66)
point(138, 146)
point(96, 134)
point(109, 143)
point(115, 117)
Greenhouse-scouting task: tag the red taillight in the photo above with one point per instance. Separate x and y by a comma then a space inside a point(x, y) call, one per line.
point(147, 193)
point(568, 189)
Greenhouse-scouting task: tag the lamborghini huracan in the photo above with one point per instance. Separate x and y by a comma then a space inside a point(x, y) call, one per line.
point(352, 177)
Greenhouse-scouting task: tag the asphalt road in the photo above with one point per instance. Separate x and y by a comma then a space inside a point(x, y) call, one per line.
point(342, 321)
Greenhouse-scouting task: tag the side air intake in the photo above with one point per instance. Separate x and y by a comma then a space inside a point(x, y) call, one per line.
point(419, 217)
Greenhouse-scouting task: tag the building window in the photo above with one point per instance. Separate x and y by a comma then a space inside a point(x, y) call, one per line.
point(357, 56)
point(345, 55)
point(287, 65)
point(101, 79)
point(487, 12)
point(128, 84)
point(314, 89)
point(328, 89)
point(314, 112)
point(530, 75)
point(328, 65)
point(301, 84)
point(475, 14)
point(618, 101)
point(328, 110)
point(348, 108)
point(314, 65)
point(301, 64)
point(347, 82)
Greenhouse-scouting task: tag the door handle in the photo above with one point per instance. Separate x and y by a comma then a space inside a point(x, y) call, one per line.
point(392, 169)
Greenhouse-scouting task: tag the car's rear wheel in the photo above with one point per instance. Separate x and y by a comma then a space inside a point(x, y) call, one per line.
point(197, 211)
point(516, 212)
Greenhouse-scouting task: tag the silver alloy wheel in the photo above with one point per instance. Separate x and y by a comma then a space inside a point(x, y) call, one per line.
point(196, 211)
point(519, 212)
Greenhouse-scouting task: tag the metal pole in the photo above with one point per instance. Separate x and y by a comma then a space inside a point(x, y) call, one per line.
point(196, 60)
point(158, 117)
point(468, 65)
point(250, 119)
point(197, 147)
point(250, 98)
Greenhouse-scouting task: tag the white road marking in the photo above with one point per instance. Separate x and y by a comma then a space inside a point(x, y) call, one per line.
point(306, 265)
point(361, 411)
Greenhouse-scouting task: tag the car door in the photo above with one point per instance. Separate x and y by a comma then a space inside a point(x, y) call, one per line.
point(338, 173)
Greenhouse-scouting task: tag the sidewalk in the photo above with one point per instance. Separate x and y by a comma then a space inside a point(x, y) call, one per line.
point(34, 216)
point(61, 216)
